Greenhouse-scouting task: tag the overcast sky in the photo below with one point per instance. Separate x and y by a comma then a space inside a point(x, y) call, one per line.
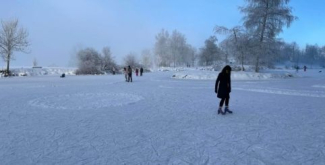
point(57, 27)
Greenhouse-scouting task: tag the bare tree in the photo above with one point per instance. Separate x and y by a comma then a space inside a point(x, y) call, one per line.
point(236, 42)
point(12, 38)
point(266, 18)
point(131, 60)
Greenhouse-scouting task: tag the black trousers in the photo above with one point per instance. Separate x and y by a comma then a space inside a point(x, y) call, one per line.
point(130, 78)
point(223, 100)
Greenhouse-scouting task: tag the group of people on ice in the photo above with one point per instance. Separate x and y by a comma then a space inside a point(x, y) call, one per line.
point(128, 73)
point(297, 68)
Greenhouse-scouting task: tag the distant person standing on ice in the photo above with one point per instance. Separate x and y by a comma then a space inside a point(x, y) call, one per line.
point(141, 71)
point(136, 71)
point(129, 74)
point(113, 69)
point(297, 69)
point(223, 88)
point(305, 68)
point(125, 74)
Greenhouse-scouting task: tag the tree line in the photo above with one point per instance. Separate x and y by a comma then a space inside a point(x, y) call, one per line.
point(254, 43)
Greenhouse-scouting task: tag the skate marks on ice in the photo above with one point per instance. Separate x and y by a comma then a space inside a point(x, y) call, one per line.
point(319, 86)
point(183, 87)
point(80, 101)
point(279, 91)
point(67, 85)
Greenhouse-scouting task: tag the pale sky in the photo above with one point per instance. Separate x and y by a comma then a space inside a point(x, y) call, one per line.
point(57, 27)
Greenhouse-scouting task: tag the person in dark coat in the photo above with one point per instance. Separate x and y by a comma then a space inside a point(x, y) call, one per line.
point(141, 71)
point(136, 71)
point(129, 74)
point(223, 88)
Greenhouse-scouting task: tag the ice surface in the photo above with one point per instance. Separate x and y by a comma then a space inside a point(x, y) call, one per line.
point(161, 120)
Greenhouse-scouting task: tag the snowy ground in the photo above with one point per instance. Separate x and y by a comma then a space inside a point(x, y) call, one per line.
point(197, 74)
point(161, 120)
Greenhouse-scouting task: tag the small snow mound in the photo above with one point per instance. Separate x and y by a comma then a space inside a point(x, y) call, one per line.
point(81, 101)
point(43, 71)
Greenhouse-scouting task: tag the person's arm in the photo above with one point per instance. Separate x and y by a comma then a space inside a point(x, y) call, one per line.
point(229, 84)
point(217, 83)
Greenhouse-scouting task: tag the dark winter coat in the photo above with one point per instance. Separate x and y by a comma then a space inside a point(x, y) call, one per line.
point(223, 84)
point(129, 71)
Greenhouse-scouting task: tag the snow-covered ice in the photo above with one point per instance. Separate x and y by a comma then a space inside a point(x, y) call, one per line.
point(235, 75)
point(158, 119)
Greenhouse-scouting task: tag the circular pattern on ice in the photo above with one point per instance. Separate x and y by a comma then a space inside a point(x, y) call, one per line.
point(85, 100)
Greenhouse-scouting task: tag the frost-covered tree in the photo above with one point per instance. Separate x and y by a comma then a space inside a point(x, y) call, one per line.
point(12, 38)
point(146, 59)
point(210, 53)
point(322, 57)
point(311, 54)
point(172, 49)
point(295, 53)
point(265, 19)
point(289, 52)
point(107, 61)
point(89, 62)
point(191, 55)
point(178, 48)
point(162, 48)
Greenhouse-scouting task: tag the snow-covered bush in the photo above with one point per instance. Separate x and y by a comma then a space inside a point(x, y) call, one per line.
point(88, 62)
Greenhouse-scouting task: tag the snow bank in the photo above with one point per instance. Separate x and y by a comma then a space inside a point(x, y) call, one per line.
point(43, 71)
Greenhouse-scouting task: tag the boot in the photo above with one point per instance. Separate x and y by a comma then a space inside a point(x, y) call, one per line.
point(227, 110)
point(220, 111)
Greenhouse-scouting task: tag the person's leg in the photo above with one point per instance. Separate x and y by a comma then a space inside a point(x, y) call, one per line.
point(220, 106)
point(227, 106)
point(221, 102)
point(227, 101)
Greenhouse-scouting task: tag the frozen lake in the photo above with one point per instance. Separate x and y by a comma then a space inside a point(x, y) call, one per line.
point(160, 120)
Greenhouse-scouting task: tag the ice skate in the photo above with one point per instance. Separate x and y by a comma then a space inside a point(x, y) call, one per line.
point(227, 110)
